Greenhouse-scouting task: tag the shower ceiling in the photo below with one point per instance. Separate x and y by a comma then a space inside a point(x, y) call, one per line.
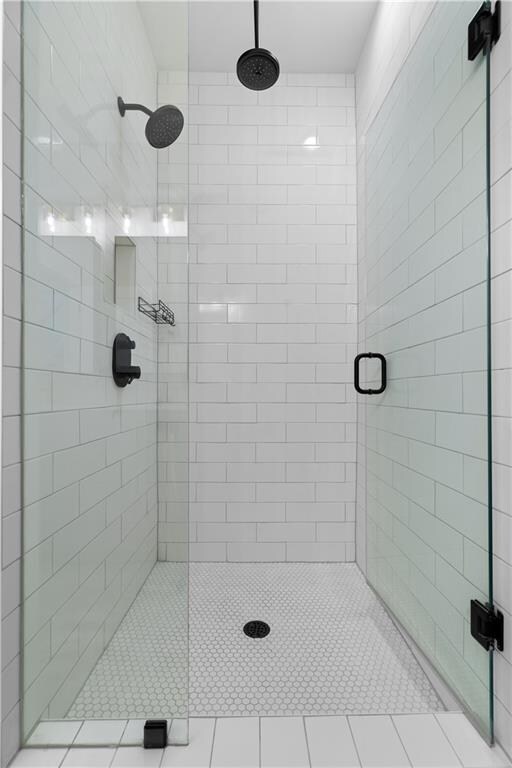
point(306, 35)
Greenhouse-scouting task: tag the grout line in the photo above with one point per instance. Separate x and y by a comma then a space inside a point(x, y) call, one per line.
point(259, 740)
point(392, 717)
point(213, 741)
point(439, 723)
point(306, 738)
point(353, 738)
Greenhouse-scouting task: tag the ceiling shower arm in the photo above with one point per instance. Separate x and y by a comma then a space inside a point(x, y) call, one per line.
point(256, 24)
point(125, 107)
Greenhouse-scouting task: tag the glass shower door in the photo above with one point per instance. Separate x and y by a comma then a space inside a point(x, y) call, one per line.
point(105, 579)
point(428, 492)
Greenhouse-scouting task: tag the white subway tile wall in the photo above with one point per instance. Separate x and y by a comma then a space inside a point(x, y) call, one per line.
point(273, 320)
point(459, 427)
point(90, 485)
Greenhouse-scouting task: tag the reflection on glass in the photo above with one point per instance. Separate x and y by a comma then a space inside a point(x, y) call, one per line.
point(105, 633)
point(426, 436)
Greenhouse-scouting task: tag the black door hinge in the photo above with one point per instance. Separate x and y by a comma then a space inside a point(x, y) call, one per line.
point(484, 28)
point(487, 625)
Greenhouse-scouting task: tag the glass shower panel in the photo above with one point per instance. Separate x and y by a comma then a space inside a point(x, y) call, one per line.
point(426, 434)
point(105, 622)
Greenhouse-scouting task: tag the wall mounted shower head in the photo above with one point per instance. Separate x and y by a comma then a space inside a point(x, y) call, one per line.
point(164, 125)
point(257, 68)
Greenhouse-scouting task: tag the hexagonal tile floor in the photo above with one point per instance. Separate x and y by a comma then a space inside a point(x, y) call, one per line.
point(332, 648)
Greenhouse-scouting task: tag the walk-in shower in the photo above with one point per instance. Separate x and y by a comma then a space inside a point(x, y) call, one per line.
point(254, 527)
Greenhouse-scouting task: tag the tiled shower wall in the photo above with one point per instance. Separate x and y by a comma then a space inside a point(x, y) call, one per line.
point(90, 472)
point(273, 318)
point(394, 31)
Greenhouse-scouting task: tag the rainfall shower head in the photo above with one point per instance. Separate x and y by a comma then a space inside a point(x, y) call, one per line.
point(257, 68)
point(164, 125)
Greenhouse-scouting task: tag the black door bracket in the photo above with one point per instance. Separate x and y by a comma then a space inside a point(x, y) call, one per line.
point(484, 29)
point(487, 625)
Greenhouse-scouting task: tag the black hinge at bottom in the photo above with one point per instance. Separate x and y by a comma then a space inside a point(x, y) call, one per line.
point(487, 625)
point(155, 734)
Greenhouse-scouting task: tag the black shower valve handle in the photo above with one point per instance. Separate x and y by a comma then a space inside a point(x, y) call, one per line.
point(123, 371)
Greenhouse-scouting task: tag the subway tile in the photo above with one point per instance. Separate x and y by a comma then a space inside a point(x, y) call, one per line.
point(255, 512)
point(284, 254)
point(257, 115)
point(255, 552)
point(285, 532)
point(257, 233)
point(258, 273)
point(227, 134)
point(316, 552)
point(325, 116)
point(226, 532)
point(258, 194)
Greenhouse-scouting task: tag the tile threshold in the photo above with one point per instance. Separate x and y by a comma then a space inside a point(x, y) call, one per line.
point(452, 741)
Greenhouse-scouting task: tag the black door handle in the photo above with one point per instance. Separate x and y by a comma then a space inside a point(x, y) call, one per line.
point(383, 369)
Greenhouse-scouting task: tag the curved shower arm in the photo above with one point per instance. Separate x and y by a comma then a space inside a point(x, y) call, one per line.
point(125, 107)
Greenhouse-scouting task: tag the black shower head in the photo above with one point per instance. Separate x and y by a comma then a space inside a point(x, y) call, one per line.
point(164, 125)
point(257, 68)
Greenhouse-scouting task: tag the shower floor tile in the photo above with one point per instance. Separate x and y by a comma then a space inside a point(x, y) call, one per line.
point(332, 648)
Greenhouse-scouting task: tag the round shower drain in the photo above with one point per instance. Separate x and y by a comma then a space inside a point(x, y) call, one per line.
point(256, 629)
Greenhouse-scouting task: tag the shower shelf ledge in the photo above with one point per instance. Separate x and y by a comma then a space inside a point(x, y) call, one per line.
point(158, 312)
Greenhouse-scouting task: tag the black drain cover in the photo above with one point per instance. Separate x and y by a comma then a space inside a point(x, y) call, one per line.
point(256, 629)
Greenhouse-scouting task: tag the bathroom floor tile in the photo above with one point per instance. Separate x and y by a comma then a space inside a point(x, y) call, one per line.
point(100, 732)
point(330, 743)
point(137, 757)
point(38, 758)
point(470, 747)
point(283, 742)
point(294, 742)
point(332, 648)
point(425, 742)
point(377, 742)
point(199, 750)
point(88, 758)
point(55, 732)
point(236, 743)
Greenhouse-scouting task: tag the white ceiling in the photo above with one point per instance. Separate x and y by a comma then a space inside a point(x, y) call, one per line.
point(305, 35)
